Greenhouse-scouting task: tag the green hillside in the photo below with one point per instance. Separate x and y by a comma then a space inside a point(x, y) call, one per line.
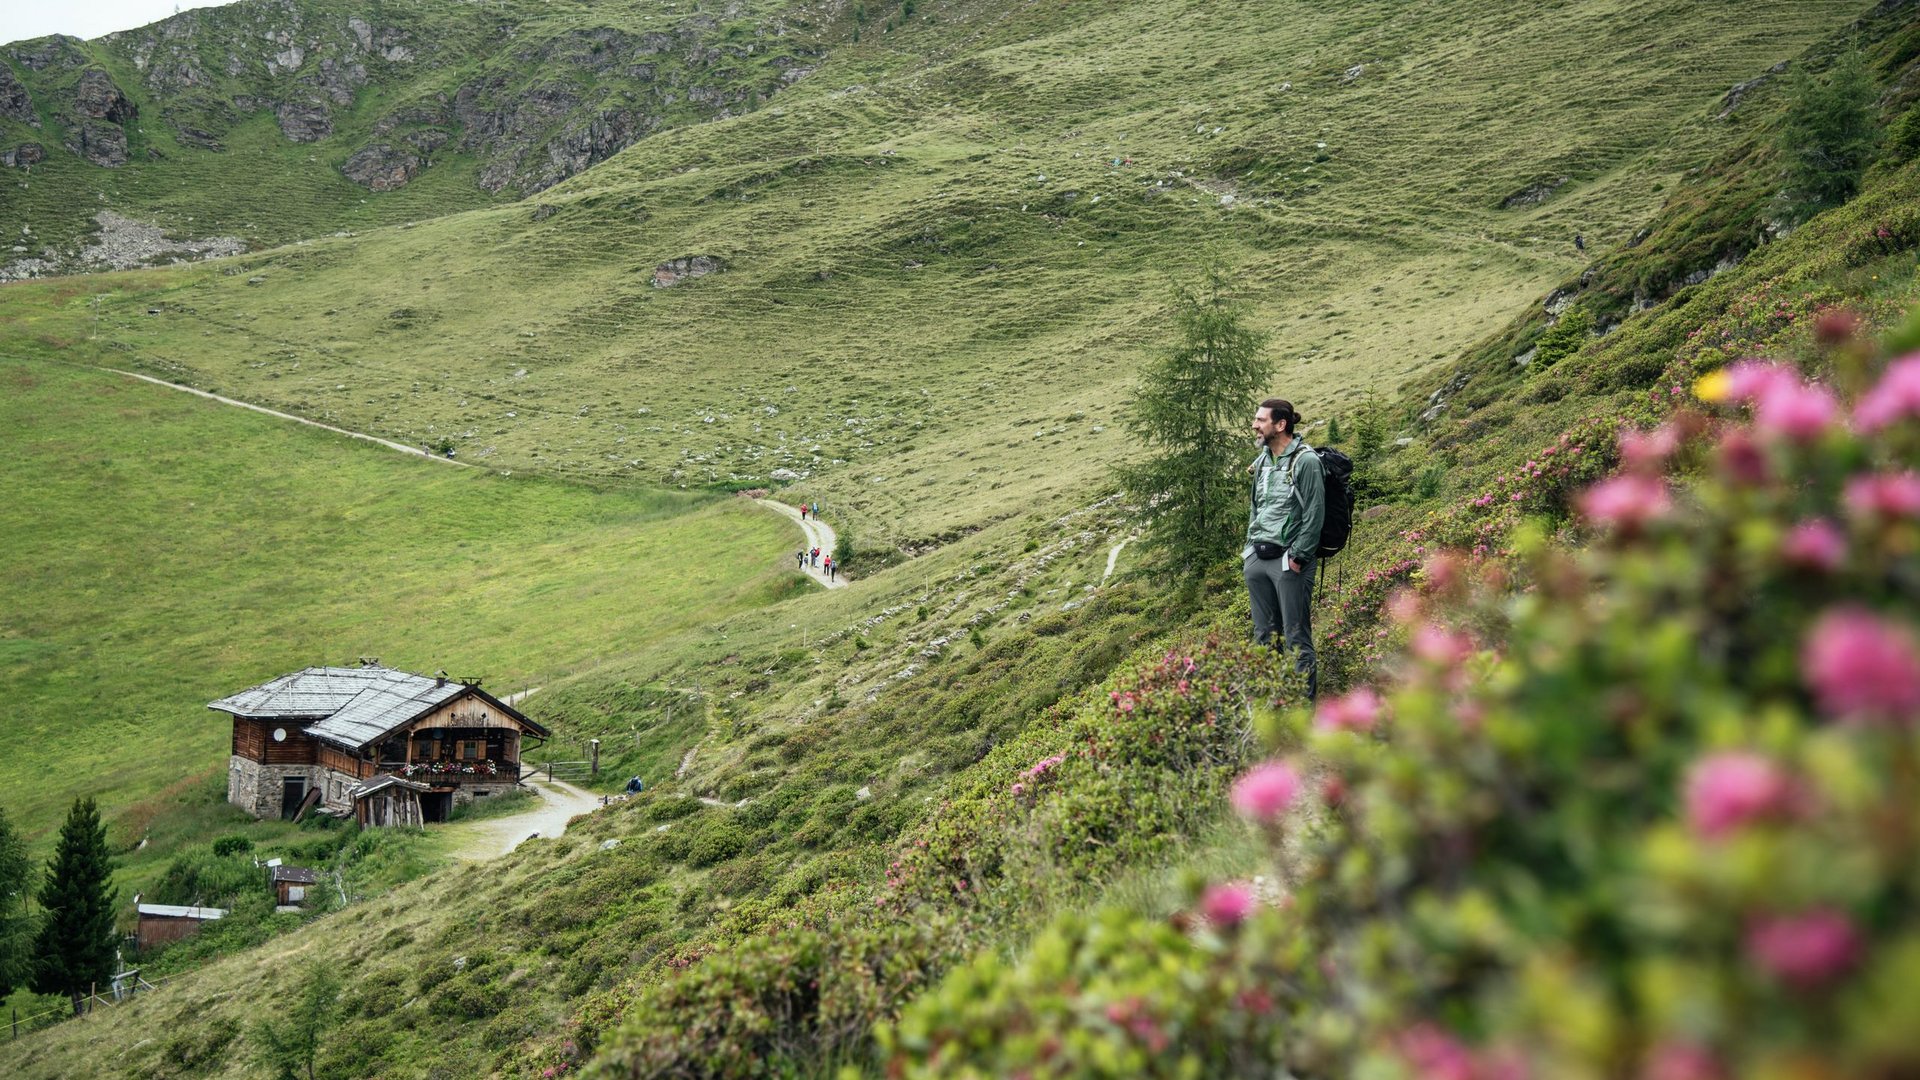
point(920, 281)
point(941, 212)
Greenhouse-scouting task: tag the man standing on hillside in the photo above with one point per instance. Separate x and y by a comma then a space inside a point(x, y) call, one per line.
point(1283, 535)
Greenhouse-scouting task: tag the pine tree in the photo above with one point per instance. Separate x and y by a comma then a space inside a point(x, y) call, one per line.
point(75, 947)
point(16, 886)
point(1828, 135)
point(1192, 411)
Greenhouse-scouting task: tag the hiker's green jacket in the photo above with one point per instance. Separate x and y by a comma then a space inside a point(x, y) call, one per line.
point(1289, 501)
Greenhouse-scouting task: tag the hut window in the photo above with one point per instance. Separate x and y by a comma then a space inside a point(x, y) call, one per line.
point(470, 751)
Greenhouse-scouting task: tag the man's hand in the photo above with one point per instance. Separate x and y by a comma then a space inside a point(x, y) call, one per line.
point(1293, 564)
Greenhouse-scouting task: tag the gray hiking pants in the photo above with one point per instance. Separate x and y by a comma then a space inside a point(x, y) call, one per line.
point(1282, 602)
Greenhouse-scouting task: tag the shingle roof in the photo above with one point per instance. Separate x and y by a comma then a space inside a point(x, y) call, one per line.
point(297, 875)
point(354, 706)
point(385, 781)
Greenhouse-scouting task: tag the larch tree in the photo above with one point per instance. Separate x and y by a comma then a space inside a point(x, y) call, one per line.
point(1192, 411)
point(74, 949)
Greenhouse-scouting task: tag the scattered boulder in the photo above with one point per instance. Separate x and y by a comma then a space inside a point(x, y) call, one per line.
point(686, 268)
point(1733, 98)
point(1353, 73)
point(381, 167)
point(24, 155)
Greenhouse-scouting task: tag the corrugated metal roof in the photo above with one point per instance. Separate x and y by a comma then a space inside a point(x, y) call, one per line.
point(299, 875)
point(174, 911)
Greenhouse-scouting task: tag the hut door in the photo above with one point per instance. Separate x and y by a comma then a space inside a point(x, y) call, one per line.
point(292, 791)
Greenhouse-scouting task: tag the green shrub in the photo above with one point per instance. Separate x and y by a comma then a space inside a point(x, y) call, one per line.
point(1563, 338)
point(719, 840)
point(231, 845)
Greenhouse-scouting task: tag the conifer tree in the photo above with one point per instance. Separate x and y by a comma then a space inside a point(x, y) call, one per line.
point(289, 1046)
point(1192, 411)
point(1828, 135)
point(75, 946)
point(16, 886)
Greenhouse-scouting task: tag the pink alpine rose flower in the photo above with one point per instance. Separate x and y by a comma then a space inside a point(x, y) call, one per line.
point(1648, 451)
point(1887, 495)
point(1748, 381)
point(1802, 412)
point(1438, 645)
point(1860, 666)
point(1626, 502)
point(1357, 711)
point(1435, 1054)
point(1727, 790)
point(1896, 398)
point(1226, 905)
point(1816, 544)
point(1806, 951)
point(1681, 1061)
point(1266, 791)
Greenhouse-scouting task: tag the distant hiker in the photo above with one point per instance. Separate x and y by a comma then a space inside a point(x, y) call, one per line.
point(1579, 242)
point(803, 511)
point(833, 568)
point(816, 511)
point(800, 559)
point(635, 787)
point(1283, 535)
point(816, 557)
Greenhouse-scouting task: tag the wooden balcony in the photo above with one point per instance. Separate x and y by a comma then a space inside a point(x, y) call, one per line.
point(443, 773)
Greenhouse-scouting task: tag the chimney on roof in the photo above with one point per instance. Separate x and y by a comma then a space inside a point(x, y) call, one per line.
point(440, 677)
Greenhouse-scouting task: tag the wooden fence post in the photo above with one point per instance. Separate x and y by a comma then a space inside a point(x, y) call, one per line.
point(595, 768)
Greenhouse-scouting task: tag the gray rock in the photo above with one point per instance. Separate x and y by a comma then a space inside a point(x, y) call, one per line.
point(303, 121)
point(24, 155)
point(1526, 359)
point(686, 268)
point(97, 97)
point(99, 142)
point(15, 104)
point(1560, 300)
point(1533, 194)
point(381, 167)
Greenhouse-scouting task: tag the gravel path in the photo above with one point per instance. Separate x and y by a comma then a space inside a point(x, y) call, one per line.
point(491, 838)
point(819, 534)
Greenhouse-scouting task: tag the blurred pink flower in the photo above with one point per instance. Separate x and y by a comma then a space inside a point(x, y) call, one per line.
point(1681, 1061)
point(1266, 791)
point(1816, 544)
point(1358, 710)
point(1729, 789)
point(1897, 397)
point(1018, 788)
point(1226, 905)
point(1742, 460)
point(1648, 451)
point(1435, 1054)
point(1884, 494)
point(1627, 501)
point(1751, 380)
point(1403, 606)
point(1807, 950)
point(1860, 665)
point(1438, 645)
point(1800, 411)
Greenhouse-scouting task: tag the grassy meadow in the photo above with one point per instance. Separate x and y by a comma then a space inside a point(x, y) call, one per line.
point(165, 551)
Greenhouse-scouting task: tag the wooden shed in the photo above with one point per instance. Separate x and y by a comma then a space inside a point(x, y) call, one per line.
point(291, 884)
point(161, 923)
point(389, 800)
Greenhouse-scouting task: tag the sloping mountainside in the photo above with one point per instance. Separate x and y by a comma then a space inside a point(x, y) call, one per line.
point(269, 120)
point(867, 282)
point(915, 285)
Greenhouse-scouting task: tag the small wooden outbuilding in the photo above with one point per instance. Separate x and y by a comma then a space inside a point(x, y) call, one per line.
point(389, 800)
point(161, 923)
point(291, 884)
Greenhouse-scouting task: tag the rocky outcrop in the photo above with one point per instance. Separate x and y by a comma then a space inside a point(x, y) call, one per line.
point(303, 121)
point(1532, 195)
point(96, 96)
point(99, 142)
point(383, 167)
point(15, 104)
point(42, 54)
point(24, 155)
point(686, 268)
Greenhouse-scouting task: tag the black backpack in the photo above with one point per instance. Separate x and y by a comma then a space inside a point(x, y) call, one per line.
point(1337, 470)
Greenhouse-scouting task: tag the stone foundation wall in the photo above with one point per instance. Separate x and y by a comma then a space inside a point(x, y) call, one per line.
point(465, 793)
point(256, 787)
